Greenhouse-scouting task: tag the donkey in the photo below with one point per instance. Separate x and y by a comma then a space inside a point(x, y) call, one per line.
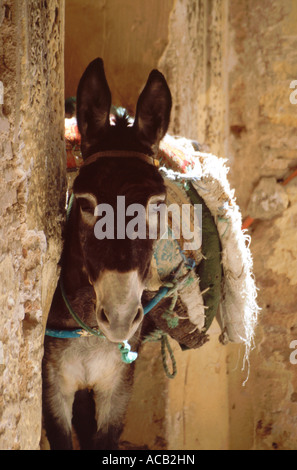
point(85, 382)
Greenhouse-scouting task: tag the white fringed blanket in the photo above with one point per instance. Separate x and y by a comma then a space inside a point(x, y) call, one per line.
point(238, 310)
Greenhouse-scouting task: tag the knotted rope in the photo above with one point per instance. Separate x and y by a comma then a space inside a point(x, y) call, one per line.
point(174, 285)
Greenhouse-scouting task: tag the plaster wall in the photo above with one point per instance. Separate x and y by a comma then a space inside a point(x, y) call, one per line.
point(130, 36)
point(262, 58)
point(32, 172)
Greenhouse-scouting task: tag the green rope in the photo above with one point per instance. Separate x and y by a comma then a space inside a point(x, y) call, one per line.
point(78, 320)
point(223, 219)
point(127, 355)
point(154, 336)
point(166, 345)
point(159, 335)
point(175, 286)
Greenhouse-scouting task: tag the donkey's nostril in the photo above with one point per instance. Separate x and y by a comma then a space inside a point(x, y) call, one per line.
point(103, 317)
point(139, 315)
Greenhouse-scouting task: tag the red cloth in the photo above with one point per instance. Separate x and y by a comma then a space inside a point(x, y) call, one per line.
point(169, 154)
point(73, 141)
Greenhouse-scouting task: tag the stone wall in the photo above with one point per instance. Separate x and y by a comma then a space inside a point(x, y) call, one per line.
point(32, 179)
point(194, 64)
point(262, 143)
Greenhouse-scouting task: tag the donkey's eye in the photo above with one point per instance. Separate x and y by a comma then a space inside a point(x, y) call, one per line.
point(87, 203)
point(155, 207)
point(86, 206)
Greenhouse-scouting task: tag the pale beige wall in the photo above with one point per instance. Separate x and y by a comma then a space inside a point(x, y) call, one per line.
point(197, 399)
point(262, 62)
point(194, 64)
point(129, 35)
point(32, 177)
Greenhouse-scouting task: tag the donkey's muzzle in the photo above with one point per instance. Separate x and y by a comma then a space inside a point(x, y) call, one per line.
point(118, 307)
point(119, 326)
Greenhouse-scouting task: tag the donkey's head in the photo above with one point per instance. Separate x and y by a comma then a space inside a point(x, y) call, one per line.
point(116, 262)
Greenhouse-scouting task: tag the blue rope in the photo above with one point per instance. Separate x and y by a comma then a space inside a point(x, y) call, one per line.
point(155, 300)
point(65, 334)
point(85, 330)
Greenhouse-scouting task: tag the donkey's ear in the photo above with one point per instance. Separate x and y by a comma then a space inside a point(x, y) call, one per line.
point(93, 104)
point(153, 111)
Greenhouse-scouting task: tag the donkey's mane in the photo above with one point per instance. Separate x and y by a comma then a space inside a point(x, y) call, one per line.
point(122, 118)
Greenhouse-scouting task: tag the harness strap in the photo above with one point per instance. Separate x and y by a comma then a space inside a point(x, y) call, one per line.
point(121, 154)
